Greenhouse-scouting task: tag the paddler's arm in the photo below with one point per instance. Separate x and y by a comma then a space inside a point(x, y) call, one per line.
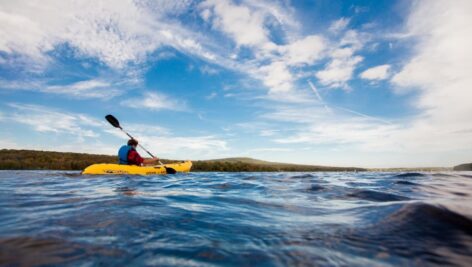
point(150, 161)
point(136, 159)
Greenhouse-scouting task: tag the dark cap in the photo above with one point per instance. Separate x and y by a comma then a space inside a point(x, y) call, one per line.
point(132, 142)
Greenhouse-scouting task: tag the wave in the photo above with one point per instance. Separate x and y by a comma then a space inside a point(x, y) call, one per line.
point(443, 175)
point(315, 188)
point(29, 251)
point(405, 182)
point(375, 196)
point(302, 176)
point(235, 219)
point(410, 174)
point(420, 231)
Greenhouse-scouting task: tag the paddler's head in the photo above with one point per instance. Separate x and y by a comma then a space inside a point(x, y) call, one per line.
point(133, 143)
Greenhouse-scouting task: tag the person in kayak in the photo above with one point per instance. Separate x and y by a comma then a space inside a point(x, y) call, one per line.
point(128, 155)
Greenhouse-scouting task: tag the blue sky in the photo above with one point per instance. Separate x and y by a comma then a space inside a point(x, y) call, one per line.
point(359, 83)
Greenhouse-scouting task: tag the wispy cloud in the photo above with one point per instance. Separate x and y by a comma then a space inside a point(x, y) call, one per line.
point(376, 73)
point(244, 25)
point(343, 59)
point(211, 96)
point(118, 34)
point(125, 34)
point(93, 88)
point(85, 89)
point(266, 45)
point(205, 69)
point(43, 119)
point(439, 72)
point(155, 101)
point(339, 25)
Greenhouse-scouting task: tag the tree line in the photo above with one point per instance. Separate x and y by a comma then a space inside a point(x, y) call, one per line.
point(11, 159)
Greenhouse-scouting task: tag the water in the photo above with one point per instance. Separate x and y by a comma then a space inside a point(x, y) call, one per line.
point(236, 219)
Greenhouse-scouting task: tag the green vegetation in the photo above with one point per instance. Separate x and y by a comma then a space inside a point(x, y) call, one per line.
point(417, 169)
point(463, 167)
point(254, 165)
point(44, 160)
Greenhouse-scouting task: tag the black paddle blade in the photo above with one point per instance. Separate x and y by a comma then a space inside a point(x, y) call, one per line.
point(170, 170)
point(113, 121)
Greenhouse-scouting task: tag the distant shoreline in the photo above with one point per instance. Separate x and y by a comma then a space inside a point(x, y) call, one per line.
point(13, 159)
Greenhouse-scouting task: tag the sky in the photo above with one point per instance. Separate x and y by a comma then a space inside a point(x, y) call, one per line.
point(340, 83)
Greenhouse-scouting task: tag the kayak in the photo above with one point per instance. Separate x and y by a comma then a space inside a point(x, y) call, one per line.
point(105, 168)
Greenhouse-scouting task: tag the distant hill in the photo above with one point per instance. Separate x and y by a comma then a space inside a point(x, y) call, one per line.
point(250, 164)
point(11, 159)
point(463, 167)
point(240, 159)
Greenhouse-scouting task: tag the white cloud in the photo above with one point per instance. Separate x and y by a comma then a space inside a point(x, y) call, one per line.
point(125, 33)
point(164, 143)
point(349, 132)
point(376, 73)
point(174, 144)
point(268, 132)
point(205, 14)
point(88, 132)
point(271, 149)
point(339, 25)
point(211, 96)
point(276, 72)
point(155, 101)
point(279, 11)
point(93, 88)
point(365, 134)
point(138, 129)
point(247, 24)
point(277, 76)
point(6, 143)
point(85, 89)
point(116, 33)
point(339, 70)
point(205, 69)
point(244, 25)
point(44, 119)
point(304, 51)
point(440, 71)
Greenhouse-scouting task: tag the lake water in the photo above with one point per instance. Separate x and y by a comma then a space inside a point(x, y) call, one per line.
point(236, 219)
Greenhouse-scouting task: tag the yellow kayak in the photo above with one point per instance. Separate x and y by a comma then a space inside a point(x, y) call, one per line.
point(105, 168)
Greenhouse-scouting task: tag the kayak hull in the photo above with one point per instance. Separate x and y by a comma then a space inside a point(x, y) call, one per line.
point(115, 169)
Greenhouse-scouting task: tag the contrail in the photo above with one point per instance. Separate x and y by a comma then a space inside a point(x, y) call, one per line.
point(341, 108)
point(362, 115)
point(315, 90)
point(318, 95)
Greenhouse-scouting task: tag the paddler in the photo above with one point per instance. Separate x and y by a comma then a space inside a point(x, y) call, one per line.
point(128, 155)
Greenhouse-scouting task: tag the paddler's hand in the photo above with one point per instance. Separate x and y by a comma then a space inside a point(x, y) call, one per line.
point(151, 160)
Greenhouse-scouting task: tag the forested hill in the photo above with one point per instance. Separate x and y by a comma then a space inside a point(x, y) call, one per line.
point(45, 160)
point(463, 167)
point(11, 159)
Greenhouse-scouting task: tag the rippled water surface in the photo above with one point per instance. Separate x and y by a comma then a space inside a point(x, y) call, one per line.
point(236, 219)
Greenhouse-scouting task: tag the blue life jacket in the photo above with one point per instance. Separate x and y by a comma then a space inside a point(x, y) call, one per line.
point(123, 154)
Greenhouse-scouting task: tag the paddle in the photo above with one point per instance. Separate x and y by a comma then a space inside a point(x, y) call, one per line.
point(114, 121)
